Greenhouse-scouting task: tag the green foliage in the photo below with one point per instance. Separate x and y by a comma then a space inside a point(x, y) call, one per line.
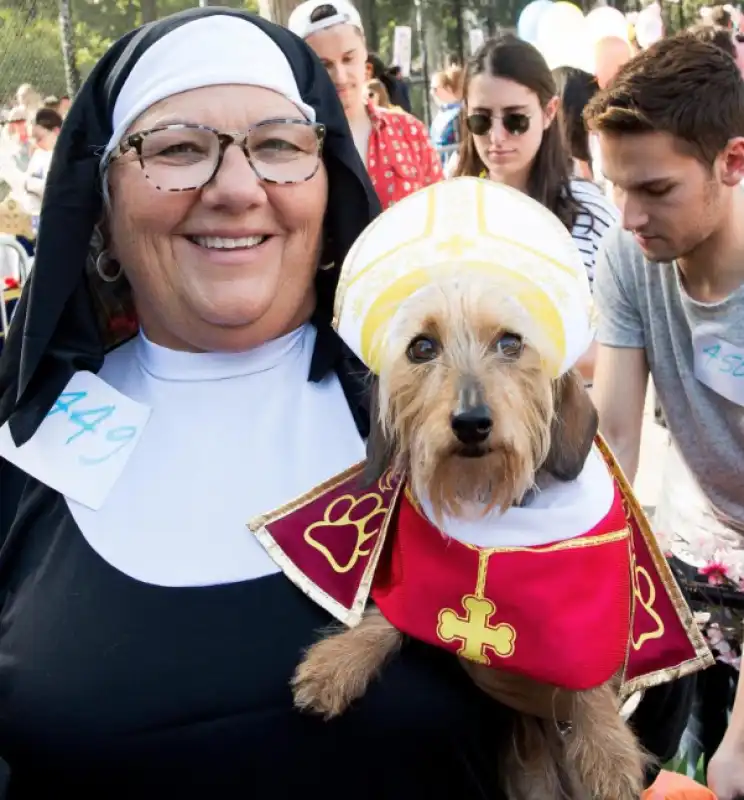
point(440, 17)
point(680, 764)
point(30, 49)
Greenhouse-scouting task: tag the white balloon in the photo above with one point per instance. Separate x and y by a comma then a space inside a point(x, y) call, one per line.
point(606, 21)
point(649, 27)
point(529, 19)
point(563, 39)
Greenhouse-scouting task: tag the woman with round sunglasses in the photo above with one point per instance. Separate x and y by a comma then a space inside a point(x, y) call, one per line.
point(512, 135)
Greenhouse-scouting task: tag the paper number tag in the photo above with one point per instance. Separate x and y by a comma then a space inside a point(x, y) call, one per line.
point(720, 366)
point(82, 445)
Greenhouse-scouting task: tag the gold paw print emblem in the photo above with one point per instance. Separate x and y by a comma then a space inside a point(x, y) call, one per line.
point(349, 524)
point(475, 632)
point(387, 481)
point(646, 602)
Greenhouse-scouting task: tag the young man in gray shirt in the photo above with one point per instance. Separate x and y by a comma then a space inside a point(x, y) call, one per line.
point(669, 288)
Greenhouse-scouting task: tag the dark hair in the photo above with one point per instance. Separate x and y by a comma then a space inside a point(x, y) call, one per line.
point(714, 34)
point(323, 12)
point(507, 56)
point(380, 73)
point(575, 89)
point(377, 64)
point(681, 86)
point(48, 119)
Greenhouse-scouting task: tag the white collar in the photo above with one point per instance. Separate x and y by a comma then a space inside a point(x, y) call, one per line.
point(177, 365)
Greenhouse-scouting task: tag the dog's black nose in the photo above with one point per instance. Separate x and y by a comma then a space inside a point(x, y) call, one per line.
point(473, 425)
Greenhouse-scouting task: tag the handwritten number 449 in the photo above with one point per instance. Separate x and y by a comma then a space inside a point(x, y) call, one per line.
point(88, 420)
point(727, 364)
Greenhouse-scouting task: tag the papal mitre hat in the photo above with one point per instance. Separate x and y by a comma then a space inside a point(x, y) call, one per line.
point(456, 228)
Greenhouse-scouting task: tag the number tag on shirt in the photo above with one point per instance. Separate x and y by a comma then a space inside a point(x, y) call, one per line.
point(83, 444)
point(720, 366)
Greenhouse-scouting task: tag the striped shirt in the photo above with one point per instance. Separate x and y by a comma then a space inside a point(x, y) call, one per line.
point(597, 214)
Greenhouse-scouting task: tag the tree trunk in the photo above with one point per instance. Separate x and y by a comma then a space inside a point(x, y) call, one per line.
point(368, 13)
point(67, 41)
point(277, 10)
point(149, 10)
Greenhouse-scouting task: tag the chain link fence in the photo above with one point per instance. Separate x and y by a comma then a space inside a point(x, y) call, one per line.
point(30, 51)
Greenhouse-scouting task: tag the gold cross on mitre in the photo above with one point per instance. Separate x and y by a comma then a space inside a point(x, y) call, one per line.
point(455, 246)
point(475, 631)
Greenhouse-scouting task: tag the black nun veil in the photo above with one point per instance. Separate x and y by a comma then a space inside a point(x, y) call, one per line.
point(56, 330)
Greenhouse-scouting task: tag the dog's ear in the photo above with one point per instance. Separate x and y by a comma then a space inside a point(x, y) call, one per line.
point(380, 450)
point(574, 427)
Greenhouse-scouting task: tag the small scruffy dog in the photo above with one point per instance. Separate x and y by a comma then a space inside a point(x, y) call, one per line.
point(465, 410)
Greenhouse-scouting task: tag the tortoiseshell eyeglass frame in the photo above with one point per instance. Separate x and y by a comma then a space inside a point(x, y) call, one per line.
point(134, 142)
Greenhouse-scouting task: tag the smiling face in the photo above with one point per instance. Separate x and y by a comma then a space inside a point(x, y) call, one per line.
point(228, 266)
point(508, 156)
point(669, 199)
point(342, 51)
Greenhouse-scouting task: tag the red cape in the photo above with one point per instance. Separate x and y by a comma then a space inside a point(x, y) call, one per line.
point(570, 614)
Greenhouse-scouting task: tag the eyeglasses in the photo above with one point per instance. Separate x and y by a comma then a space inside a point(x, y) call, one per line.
point(515, 123)
point(185, 157)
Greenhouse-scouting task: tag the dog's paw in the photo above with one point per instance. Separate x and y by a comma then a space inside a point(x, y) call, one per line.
point(317, 693)
point(327, 681)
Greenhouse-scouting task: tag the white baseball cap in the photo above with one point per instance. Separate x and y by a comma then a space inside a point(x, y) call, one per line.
point(317, 15)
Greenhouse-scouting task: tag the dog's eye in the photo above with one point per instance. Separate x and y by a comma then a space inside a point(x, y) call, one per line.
point(509, 345)
point(423, 349)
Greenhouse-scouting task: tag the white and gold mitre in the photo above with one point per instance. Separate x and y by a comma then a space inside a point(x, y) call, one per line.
point(453, 227)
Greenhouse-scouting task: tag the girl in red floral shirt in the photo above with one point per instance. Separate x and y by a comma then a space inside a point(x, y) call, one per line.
point(394, 145)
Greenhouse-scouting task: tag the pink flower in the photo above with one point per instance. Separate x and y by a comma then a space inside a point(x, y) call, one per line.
point(716, 572)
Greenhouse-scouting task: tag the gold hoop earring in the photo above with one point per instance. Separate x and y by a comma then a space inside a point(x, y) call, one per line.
point(103, 260)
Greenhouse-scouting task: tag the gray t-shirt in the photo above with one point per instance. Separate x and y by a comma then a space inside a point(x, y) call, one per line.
point(643, 304)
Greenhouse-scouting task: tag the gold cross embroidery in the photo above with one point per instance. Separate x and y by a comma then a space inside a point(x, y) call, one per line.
point(475, 632)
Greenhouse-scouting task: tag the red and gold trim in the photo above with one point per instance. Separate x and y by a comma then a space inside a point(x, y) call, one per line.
point(328, 541)
point(665, 642)
point(571, 613)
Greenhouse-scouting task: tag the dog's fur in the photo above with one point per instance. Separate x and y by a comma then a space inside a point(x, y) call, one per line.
point(565, 744)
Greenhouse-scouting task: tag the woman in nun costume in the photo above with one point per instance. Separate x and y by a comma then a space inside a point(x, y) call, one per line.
point(147, 641)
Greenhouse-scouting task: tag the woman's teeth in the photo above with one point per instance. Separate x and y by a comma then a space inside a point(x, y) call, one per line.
point(218, 243)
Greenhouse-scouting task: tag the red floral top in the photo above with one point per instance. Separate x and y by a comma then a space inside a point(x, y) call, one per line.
point(400, 155)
